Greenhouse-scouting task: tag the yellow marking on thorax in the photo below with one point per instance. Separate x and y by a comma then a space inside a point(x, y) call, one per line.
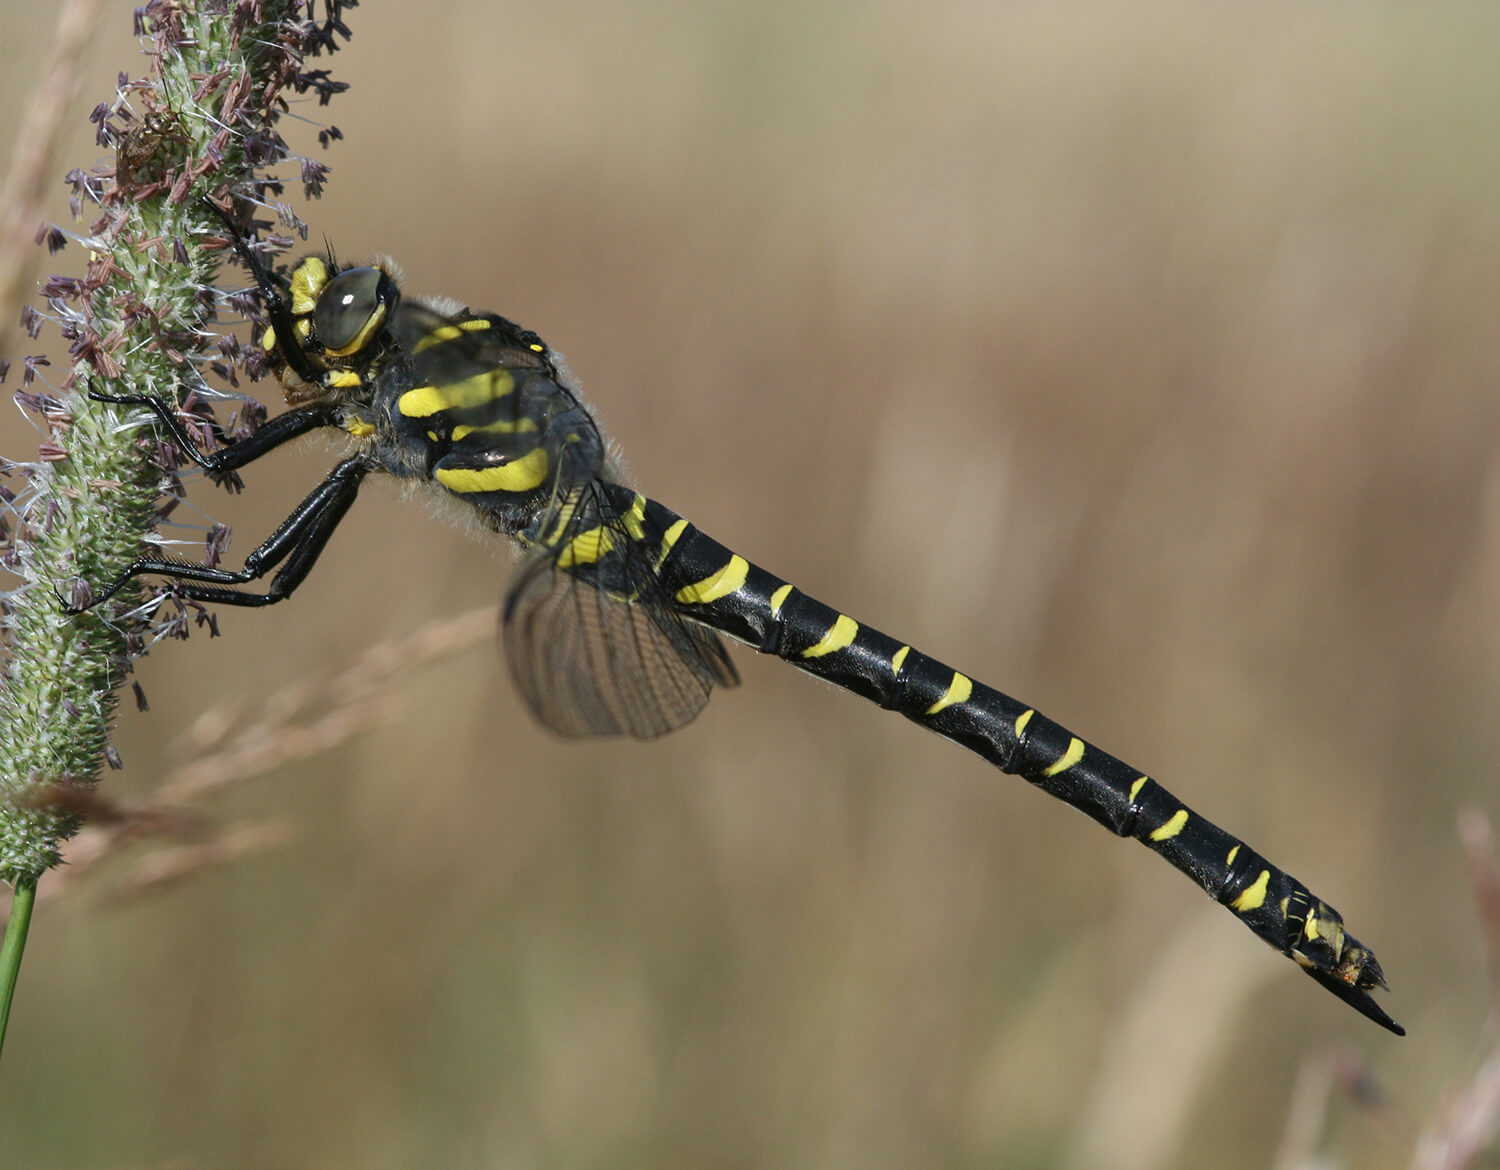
point(899, 658)
point(1254, 897)
point(958, 691)
point(520, 475)
point(1022, 720)
point(1067, 759)
point(482, 388)
point(448, 332)
point(839, 635)
point(307, 282)
point(1310, 930)
point(1135, 789)
point(716, 585)
point(268, 339)
point(503, 426)
point(359, 428)
point(1172, 827)
point(778, 599)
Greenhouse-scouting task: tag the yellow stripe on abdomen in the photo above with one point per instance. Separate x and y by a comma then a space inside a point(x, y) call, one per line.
point(635, 519)
point(585, 548)
point(1254, 897)
point(1067, 759)
point(716, 585)
point(839, 635)
point(672, 536)
point(959, 690)
point(778, 599)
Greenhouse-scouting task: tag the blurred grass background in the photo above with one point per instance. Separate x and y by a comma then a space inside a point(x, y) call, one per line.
point(1143, 366)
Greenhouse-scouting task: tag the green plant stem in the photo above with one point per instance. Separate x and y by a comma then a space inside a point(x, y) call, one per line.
point(14, 946)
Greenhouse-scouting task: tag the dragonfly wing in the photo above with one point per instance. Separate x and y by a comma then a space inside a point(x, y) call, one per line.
point(597, 649)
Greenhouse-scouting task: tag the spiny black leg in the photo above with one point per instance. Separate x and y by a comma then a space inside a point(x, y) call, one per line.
point(298, 540)
point(281, 429)
point(270, 289)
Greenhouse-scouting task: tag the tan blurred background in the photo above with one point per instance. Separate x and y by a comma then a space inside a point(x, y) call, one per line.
point(1144, 367)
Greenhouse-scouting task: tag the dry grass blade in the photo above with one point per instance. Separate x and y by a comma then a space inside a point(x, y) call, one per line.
point(1478, 838)
point(1466, 1129)
point(169, 866)
point(226, 747)
point(31, 164)
point(309, 717)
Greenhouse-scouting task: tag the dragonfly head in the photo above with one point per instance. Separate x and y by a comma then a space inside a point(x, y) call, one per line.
point(332, 328)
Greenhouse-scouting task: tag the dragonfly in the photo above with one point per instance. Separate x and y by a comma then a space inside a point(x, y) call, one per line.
point(614, 621)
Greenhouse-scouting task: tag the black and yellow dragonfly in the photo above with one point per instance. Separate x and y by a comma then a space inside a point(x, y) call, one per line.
point(611, 625)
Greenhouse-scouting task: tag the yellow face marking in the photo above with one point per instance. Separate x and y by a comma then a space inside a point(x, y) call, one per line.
point(307, 282)
point(342, 380)
point(716, 585)
point(1172, 827)
point(586, 548)
point(520, 475)
point(1254, 897)
point(1233, 853)
point(898, 658)
point(538, 348)
point(671, 537)
point(1135, 789)
point(1023, 720)
point(839, 635)
point(1067, 759)
point(359, 428)
point(268, 339)
point(958, 691)
point(503, 426)
point(448, 332)
point(482, 388)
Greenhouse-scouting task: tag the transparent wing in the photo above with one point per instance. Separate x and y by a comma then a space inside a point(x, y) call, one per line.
point(598, 649)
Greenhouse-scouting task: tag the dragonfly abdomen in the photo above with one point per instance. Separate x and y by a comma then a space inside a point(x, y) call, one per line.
point(713, 585)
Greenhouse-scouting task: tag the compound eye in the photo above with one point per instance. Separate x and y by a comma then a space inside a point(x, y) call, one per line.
point(351, 308)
